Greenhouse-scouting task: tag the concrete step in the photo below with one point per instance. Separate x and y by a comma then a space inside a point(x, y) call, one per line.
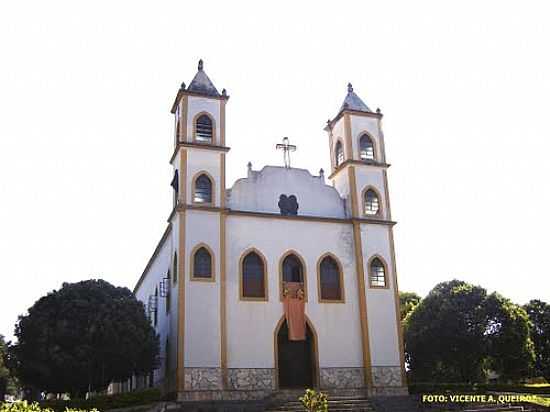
point(340, 404)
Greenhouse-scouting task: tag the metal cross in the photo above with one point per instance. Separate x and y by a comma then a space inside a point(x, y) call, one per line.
point(286, 147)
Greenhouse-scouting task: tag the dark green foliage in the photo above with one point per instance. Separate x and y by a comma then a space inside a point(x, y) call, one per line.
point(458, 332)
point(107, 402)
point(407, 302)
point(82, 337)
point(4, 372)
point(510, 349)
point(539, 314)
point(444, 335)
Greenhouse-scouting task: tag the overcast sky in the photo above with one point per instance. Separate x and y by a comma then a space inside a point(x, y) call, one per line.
point(86, 132)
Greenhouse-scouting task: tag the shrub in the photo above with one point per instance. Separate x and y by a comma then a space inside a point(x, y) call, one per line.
point(314, 401)
point(105, 402)
point(24, 406)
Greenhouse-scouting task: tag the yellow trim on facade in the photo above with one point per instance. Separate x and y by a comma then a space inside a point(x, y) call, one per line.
point(386, 274)
point(222, 180)
point(213, 191)
point(315, 369)
point(341, 280)
point(353, 192)
point(214, 138)
point(347, 133)
point(304, 274)
point(183, 119)
point(183, 177)
point(192, 276)
point(222, 122)
point(241, 273)
point(362, 304)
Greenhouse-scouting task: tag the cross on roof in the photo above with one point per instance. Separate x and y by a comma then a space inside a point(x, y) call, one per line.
point(286, 147)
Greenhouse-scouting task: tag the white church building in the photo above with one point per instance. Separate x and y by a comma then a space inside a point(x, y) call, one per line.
point(215, 285)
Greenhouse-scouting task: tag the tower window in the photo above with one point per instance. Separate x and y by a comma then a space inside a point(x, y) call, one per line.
point(202, 264)
point(377, 273)
point(366, 147)
point(339, 154)
point(330, 278)
point(372, 203)
point(203, 189)
point(203, 129)
point(253, 277)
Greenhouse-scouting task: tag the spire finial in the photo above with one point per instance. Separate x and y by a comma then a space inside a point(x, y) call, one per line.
point(350, 88)
point(200, 64)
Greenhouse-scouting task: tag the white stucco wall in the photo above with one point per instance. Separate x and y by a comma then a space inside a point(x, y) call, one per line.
point(260, 192)
point(251, 325)
point(156, 272)
point(383, 337)
point(200, 104)
point(202, 309)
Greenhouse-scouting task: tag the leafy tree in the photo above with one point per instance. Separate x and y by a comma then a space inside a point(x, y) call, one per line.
point(82, 337)
point(407, 302)
point(539, 314)
point(4, 371)
point(445, 334)
point(510, 348)
point(457, 332)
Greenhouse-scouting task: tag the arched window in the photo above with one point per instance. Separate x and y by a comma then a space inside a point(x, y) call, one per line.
point(175, 267)
point(292, 269)
point(203, 129)
point(203, 190)
point(339, 154)
point(366, 148)
point(377, 273)
point(372, 203)
point(202, 264)
point(330, 278)
point(253, 277)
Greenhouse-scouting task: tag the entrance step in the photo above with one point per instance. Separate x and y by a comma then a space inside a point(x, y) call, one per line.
point(340, 404)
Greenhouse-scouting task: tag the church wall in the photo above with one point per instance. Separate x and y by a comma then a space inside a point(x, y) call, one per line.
point(200, 104)
point(203, 160)
point(261, 190)
point(202, 310)
point(251, 325)
point(156, 272)
point(370, 176)
point(360, 124)
point(384, 341)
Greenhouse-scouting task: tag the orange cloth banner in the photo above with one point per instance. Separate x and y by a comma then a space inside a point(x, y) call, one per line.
point(294, 307)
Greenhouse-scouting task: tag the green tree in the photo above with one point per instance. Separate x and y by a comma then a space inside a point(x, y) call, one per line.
point(539, 314)
point(510, 349)
point(82, 337)
point(4, 371)
point(407, 302)
point(445, 334)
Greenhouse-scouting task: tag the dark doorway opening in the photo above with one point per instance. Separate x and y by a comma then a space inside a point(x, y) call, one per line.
point(295, 359)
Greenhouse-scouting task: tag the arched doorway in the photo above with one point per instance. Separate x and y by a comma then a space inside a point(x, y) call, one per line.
point(296, 361)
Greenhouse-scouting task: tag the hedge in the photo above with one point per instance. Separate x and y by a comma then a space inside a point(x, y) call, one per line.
point(418, 388)
point(24, 406)
point(106, 402)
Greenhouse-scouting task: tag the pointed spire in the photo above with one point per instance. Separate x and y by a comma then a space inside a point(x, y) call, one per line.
point(354, 102)
point(202, 84)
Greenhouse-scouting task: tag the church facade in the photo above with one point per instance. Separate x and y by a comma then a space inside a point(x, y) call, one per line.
point(215, 285)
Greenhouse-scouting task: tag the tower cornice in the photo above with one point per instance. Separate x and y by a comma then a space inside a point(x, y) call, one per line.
point(330, 124)
point(183, 92)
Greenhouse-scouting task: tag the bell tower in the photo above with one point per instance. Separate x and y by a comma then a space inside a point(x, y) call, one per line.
point(198, 224)
point(359, 173)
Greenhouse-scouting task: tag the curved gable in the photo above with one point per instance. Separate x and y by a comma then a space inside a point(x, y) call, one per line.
point(260, 192)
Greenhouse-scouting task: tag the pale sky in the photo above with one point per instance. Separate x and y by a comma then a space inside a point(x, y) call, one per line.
point(86, 131)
